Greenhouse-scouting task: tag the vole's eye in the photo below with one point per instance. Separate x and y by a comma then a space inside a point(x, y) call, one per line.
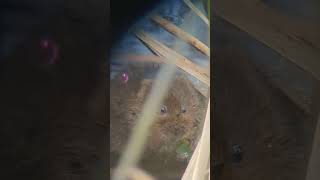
point(163, 109)
point(183, 110)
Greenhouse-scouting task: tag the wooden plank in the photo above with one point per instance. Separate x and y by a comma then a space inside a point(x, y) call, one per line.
point(197, 11)
point(141, 58)
point(172, 56)
point(293, 38)
point(156, 59)
point(181, 34)
point(202, 91)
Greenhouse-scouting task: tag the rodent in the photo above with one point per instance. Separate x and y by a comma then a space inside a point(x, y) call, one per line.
point(179, 118)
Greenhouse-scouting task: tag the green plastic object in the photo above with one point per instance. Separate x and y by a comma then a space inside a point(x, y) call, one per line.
point(184, 150)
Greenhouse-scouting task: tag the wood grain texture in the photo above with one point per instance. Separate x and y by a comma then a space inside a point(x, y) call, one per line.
point(171, 56)
point(181, 34)
point(297, 40)
point(197, 11)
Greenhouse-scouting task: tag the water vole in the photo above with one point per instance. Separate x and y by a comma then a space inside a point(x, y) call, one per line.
point(178, 120)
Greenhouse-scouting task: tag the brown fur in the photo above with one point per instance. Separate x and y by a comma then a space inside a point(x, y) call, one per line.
point(170, 127)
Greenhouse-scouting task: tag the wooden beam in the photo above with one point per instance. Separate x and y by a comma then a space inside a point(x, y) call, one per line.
point(181, 34)
point(156, 59)
point(293, 38)
point(141, 58)
point(197, 11)
point(171, 56)
point(202, 91)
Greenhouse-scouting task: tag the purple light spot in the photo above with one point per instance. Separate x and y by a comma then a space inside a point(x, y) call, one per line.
point(50, 51)
point(124, 77)
point(44, 43)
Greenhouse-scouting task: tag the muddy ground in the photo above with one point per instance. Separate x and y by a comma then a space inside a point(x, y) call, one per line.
point(274, 134)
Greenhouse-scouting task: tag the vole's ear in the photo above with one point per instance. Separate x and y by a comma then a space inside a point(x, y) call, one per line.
point(183, 83)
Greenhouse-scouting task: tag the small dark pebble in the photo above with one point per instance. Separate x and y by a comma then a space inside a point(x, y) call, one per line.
point(237, 153)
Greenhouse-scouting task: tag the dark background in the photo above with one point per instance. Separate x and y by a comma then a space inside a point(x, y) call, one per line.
point(124, 13)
